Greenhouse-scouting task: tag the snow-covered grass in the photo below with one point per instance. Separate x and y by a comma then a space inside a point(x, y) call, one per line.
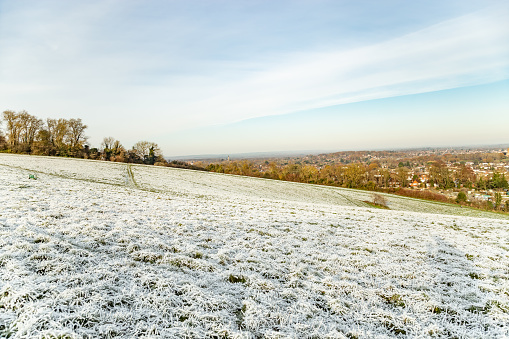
point(93, 249)
point(187, 183)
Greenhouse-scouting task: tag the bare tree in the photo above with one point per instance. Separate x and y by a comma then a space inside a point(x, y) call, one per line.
point(117, 147)
point(29, 125)
point(402, 174)
point(3, 141)
point(51, 126)
point(76, 133)
point(12, 125)
point(380, 200)
point(58, 130)
point(107, 143)
point(148, 151)
point(42, 144)
point(142, 149)
point(113, 149)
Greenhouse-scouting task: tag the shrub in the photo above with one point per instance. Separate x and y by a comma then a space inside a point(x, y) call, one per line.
point(498, 200)
point(379, 199)
point(461, 198)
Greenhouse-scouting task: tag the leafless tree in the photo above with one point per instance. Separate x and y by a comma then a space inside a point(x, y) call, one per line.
point(379, 199)
point(113, 149)
point(107, 143)
point(76, 133)
point(142, 149)
point(29, 125)
point(58, 130)
point(12, 125)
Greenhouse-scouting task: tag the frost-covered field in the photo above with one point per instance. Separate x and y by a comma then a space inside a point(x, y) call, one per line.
point(93, 249)
point(195, 184)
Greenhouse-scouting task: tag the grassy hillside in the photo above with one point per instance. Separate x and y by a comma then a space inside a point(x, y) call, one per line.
point(96, 249)
point(187, 183)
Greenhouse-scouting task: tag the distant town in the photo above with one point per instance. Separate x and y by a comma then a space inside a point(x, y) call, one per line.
point(474, 176)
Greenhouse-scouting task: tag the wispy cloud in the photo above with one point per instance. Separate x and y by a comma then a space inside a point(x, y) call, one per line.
point(165, 69)
point(468, 50)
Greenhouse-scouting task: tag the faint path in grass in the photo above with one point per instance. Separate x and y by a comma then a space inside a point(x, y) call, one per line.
point(354, 202)
point(129, 180)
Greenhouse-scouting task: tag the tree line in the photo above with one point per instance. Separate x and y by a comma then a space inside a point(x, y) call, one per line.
point(27, 134)
point(373, 177)
point(364, 176)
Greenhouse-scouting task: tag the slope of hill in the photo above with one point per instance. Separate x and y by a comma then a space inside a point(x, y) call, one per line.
point(96, 249)
point(191, 184)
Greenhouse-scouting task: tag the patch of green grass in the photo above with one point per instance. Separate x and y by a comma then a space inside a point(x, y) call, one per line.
point(148, 257)
point(495, 303)
point(372, 204)
point(235, 279)
point(59, 336)
point(438, 310)
point(395, 300)
point(474, 275)
point(393, 328)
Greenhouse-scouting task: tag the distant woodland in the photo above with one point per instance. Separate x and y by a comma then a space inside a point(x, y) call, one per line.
point(364, 176)
point(373, 177)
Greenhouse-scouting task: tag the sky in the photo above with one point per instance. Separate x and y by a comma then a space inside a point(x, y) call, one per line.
point(226, 77)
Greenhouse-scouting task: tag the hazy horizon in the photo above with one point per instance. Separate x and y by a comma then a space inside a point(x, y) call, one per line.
point(283, 153)
point(241, 77)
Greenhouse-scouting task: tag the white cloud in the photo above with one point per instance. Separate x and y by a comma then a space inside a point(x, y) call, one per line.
point(60, 61)
point(469, 50)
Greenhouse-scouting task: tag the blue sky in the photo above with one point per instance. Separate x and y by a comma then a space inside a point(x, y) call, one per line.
point(243, 76)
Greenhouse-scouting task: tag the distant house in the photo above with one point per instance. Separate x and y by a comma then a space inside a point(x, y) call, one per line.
point(394, 183)
point(415, 184)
